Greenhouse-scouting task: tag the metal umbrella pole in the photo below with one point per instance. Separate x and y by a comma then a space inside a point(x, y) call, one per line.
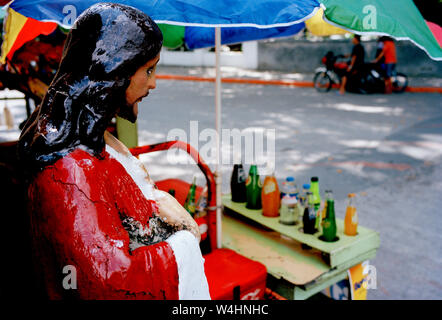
point(218, 131)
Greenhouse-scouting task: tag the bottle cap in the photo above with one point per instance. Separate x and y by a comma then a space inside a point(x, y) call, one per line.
point(314, 179)
point(306, 186)
point(351, 195)
point(290, 179)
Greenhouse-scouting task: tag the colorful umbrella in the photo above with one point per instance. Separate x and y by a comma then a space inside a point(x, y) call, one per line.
point(180, 21)
point(268, 18)
point(231, 13)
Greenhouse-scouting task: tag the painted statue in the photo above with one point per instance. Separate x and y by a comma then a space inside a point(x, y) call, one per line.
point(92, 204)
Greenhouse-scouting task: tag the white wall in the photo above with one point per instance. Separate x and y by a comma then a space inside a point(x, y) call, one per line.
point(247, 59)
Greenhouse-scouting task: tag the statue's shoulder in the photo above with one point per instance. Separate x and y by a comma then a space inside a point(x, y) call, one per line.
point(81, 160)
point(78, 167)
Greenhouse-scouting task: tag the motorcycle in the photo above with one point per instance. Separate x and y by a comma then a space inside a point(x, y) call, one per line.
point(369, 78)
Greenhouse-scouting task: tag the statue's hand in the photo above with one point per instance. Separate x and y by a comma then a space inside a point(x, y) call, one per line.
point(174, 214)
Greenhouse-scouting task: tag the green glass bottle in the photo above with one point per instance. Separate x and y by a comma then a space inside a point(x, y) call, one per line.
point(329, 223)
point(189, 205)
point(253, 189)
point(314, 188)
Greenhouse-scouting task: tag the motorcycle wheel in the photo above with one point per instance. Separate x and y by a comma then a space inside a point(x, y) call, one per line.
point(399, 82)
point(322, 81)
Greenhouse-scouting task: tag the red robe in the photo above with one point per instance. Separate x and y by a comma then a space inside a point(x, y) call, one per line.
point(76, 205)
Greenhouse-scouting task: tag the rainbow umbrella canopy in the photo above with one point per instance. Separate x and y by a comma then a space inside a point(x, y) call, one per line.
point(191, 22)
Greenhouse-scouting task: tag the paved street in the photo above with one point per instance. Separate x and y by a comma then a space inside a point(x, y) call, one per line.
point(387, 149)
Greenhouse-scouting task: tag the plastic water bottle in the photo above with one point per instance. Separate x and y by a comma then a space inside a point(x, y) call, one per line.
point(290, 188)
point(289, 210)
point(303, 194)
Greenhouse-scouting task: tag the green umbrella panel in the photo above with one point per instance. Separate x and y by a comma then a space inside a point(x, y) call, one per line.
point(397, 18)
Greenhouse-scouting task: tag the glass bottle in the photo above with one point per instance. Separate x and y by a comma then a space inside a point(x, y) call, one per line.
point(351, 217)
point(189, 204)
point(238, 184)
point(324, 209)
point(329, 224)
point(314, 188)
point(270, 197)
point(309, 217)
point(253, 189)
point(201, 205)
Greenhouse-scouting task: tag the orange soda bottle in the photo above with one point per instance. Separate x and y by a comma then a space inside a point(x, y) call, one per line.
point(270, 197)
point(351, 217)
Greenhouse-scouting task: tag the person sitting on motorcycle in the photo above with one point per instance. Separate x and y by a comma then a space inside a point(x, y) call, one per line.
point(357, 60)
point(388, 53)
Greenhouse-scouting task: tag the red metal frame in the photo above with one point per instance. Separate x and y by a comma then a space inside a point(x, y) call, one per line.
point(210, 178)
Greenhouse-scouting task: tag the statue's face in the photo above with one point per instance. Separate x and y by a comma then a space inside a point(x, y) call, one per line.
point(141, 83)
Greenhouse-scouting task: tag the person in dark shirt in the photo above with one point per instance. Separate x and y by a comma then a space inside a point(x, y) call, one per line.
point(357, 60)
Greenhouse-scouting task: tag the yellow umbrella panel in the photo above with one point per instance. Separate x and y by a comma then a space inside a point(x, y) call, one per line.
point(317, 26)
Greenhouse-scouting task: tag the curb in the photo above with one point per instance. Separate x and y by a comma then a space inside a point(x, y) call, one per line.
point(289, 83)
point(237, 80)
point(424, 89)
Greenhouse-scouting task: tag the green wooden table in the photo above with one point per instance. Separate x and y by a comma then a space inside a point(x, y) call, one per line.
point(293, 271)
